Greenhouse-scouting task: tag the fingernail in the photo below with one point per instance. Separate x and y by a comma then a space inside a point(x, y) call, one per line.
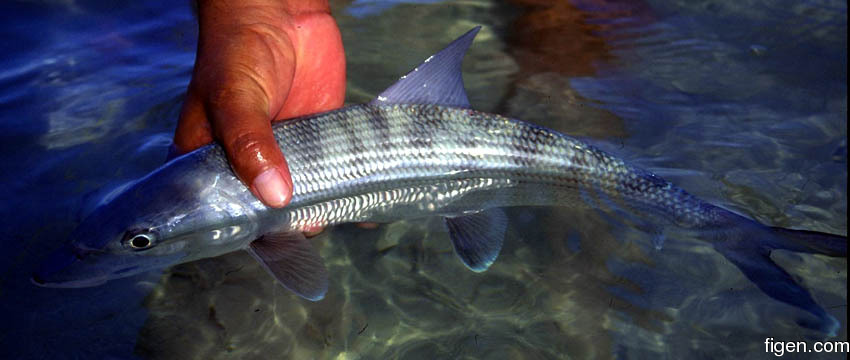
point(271, 188)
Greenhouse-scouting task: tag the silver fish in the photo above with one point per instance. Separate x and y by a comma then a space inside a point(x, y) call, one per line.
point(417, 150)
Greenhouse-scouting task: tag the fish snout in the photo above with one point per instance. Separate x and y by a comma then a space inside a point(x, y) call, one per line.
point(36, 279)
point(59, 269)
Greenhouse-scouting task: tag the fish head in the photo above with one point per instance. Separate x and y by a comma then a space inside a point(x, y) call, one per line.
point(177, 214)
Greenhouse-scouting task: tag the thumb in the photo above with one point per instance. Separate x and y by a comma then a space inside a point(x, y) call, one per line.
point(247, 137)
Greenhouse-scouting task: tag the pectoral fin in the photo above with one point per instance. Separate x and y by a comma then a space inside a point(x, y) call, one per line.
point(293, 261)
point(478, 238)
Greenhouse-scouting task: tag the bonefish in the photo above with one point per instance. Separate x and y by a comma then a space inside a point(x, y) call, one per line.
point(417, 150)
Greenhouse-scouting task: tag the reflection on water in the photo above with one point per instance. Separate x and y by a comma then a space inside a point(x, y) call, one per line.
point(751, 120)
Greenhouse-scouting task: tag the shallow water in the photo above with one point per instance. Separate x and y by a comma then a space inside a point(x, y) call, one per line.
point(741, 103)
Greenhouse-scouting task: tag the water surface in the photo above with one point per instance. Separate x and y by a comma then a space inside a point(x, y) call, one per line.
point(741, 103)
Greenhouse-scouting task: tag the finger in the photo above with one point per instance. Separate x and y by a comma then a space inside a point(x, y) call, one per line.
point(193, 129)
point(314, 231)
point(245, 132)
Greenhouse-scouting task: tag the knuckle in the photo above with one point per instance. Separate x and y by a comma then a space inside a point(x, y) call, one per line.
point(249, 150)
point(245, 144)
point(243, 92)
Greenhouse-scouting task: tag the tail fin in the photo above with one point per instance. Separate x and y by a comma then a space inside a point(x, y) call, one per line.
point(811, 242)
point(747, 244)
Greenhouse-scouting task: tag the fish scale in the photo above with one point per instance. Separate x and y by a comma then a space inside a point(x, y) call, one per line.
point(341, 159)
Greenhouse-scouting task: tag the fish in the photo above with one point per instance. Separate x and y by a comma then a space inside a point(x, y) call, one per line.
point(417, 150)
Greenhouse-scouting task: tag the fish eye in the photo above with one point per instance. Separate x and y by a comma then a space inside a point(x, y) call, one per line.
point(139, 240)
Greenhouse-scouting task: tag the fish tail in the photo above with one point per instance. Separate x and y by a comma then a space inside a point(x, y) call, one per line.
point(747, 244)
point(810, 242)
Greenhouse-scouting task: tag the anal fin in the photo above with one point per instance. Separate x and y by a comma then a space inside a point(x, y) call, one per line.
point(478, 238)
point(292, 260)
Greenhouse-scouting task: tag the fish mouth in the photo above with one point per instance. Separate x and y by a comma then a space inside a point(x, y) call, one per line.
point(72, 267)
point(38, 280)
point(68, 267)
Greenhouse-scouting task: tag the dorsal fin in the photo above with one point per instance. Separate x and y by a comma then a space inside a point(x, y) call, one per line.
point(436, 81)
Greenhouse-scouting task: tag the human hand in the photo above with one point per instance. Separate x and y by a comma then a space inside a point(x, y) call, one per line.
point(257, 61)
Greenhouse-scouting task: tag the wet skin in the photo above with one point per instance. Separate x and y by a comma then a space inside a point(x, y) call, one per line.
point(258, 61)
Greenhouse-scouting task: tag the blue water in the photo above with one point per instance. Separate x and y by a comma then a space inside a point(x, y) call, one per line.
point(741, 103)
